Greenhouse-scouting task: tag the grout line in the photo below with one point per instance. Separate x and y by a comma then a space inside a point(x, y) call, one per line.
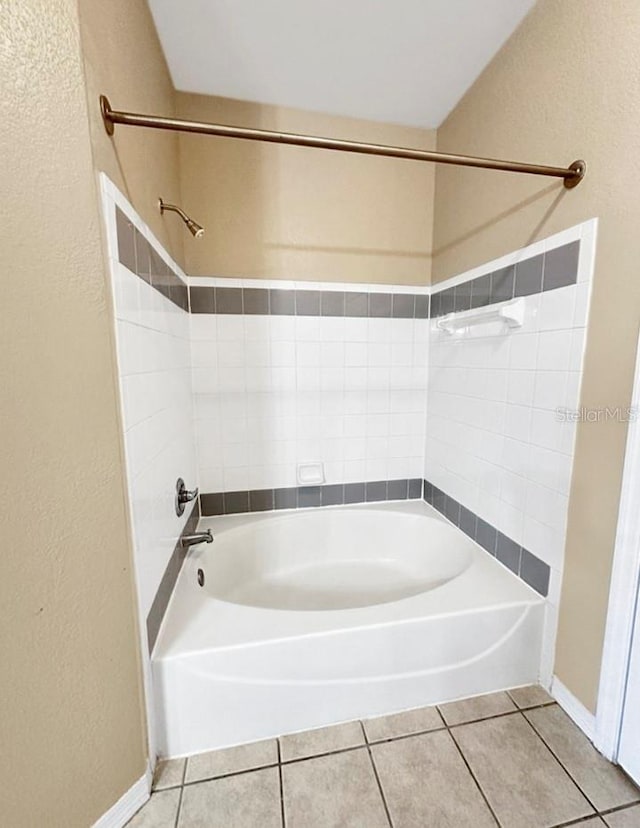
point(375, 773)
point(366, 743)
point(473, 776)
point(559, 761)
point(282, 816)
point(231, 773)
point(184, 775)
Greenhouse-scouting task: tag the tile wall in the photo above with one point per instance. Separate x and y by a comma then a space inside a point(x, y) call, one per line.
point(154, 365)
point(290, 374)
point(499, 446)
point(283, 373)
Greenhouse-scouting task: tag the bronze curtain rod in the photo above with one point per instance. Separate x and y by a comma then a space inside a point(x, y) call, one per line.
point(572, 175)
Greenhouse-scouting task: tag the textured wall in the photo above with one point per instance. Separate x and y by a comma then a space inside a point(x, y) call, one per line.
point(70, 700)
point(123, 61)
point(558, 90)
point(294, 213)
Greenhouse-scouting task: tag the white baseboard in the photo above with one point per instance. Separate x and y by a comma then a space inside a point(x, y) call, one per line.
point(130, 802)
point(585, 720)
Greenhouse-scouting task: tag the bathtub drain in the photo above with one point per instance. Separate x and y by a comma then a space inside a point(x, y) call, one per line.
point(201, 577)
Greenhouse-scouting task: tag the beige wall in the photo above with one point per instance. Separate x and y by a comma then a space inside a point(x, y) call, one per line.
point(70, 697)
point(564, 86)
point(278, 212)
point(123, 61)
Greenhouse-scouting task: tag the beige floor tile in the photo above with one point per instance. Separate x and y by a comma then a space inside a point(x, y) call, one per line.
point(603, 783)
point(402, 724)
point(524, 783)
point(426, 783)
point(249, 800)
point(336, 791)
point(627, 818)
point(478, 707)
point(232, 760)
point(168, 774)
point(159, 812)
point(531, 696)
point(322, 740)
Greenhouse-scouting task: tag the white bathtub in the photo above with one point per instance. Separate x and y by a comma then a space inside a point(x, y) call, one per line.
point(314, 617)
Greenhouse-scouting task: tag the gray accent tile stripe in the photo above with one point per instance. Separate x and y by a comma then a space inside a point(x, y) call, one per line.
point(304, 497)
point(140, 257)
point(520, 561)
point(168, 582)
point(554, 269)
point(285, 302)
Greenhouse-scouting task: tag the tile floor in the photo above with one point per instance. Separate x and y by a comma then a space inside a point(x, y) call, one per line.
point(509, 759)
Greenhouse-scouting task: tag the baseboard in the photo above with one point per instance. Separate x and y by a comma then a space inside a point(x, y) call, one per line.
point(576, 711)
point(130, 802)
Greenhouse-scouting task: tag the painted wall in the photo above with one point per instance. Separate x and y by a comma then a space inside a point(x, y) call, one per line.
point(123, 60)
point(71, 707)
point(277, 212)
point(551, 98)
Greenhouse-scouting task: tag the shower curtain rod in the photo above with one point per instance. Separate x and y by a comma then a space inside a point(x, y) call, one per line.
point(572, 175)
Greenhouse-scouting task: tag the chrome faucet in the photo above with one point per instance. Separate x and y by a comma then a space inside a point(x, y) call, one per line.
point(197, 537)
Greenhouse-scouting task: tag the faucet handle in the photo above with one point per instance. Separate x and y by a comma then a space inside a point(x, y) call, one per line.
point(183, 495)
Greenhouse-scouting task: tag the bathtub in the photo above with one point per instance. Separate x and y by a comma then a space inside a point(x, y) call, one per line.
point(313, 617)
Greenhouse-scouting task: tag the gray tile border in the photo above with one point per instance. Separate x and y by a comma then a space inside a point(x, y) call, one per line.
point(285, 498)
point(300, 302)
point(535, 572)
point(308, 496)
point(508, 552)
point(561, 266)
point(167, 583)
point(261, 500)
point(307, 302)
point(380, 304)
point(397, 489)
point(282, 302)
point(414, 488)
point(376, 490)
point(529, 276)
point(332, 303)
point(202, 299)
point(486, 535)
point(332, 495)
point(554, 269)
point(481, 291)
point(126, 241)
point(462, 297)
point(236, 502)
point(502, 284)
point(228, 300)
point(137, 254)
point(403, 306)
point(356, 304)
point(354, 492)
point(422, 306)
point(302, 497)
point(520, 561)
point(255, 301)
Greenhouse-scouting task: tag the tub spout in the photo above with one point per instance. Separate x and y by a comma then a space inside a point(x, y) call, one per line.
point(198, 537)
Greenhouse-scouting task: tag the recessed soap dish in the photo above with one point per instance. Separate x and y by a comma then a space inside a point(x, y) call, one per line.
point(310, 474)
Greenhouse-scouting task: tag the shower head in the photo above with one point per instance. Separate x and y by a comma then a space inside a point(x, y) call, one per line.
point(194, 228)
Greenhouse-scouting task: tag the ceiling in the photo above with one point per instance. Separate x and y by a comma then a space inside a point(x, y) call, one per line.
point(399, 61)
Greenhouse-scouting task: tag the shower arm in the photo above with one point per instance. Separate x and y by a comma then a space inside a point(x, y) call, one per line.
point(572, 175)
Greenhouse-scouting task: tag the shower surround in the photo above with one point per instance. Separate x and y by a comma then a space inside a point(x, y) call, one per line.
point(237, 386)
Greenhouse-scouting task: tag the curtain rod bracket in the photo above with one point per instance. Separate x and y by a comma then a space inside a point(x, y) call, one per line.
point(571, 175)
